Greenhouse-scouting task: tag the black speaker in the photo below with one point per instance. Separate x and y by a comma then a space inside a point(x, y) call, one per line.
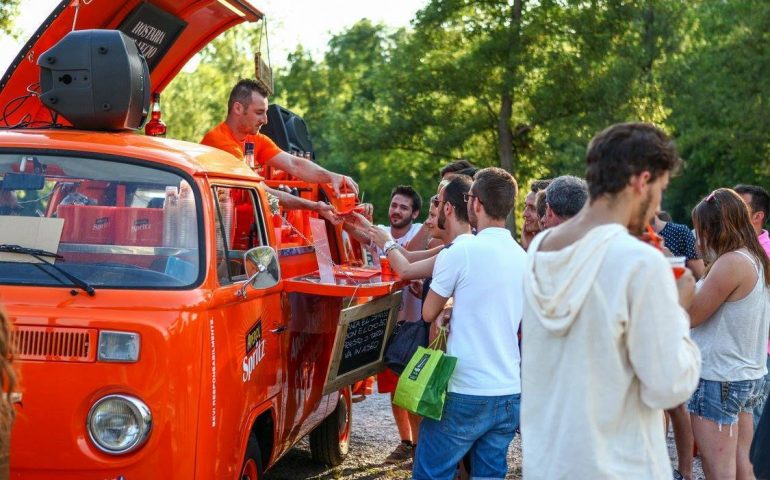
point(96, 79)
point(287, 130)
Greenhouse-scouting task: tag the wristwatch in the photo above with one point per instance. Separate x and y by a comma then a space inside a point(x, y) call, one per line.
point(389, 245)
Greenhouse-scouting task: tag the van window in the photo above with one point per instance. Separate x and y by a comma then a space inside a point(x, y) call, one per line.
point(240, 227)
point(108, 220)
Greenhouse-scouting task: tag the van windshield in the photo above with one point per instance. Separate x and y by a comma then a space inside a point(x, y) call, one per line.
point(112, 224)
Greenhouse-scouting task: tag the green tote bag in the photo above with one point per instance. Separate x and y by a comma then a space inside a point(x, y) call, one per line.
point(422, 385)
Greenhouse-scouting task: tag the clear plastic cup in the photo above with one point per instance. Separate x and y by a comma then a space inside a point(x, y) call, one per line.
point(678, 265)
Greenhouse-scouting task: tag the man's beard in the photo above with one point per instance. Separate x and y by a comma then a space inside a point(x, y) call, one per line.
point(472, 218)
point(642, 217)
point(403, 223)
point(441, 219)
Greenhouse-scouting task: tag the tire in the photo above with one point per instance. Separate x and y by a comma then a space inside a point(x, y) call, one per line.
point(252, 461)
point(330, 441)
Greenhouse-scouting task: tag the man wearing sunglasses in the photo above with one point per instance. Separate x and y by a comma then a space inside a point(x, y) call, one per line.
point(483, 273)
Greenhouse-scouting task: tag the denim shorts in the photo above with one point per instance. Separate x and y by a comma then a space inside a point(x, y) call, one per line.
point(721, 402)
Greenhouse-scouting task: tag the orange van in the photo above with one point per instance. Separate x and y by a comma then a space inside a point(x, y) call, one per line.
point(165, 325)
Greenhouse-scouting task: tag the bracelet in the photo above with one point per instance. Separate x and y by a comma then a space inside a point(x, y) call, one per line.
point(391, 248)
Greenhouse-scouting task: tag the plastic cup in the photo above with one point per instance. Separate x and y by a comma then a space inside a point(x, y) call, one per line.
point(677, 265)
point(385, 266)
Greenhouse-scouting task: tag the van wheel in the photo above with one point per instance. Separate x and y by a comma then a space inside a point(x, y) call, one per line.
point(330, 440)
point(252, 462)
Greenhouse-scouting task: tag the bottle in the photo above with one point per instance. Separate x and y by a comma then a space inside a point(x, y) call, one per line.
point(155, 127)
point(187, 221)
point(248, 156)
point(227, 217)
point(170, 215)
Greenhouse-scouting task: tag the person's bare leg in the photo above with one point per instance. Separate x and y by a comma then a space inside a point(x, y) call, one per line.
point(414, 425)
point(717, 447)
point(680, 421)
point(401, 417)
point(404, 450)
point(745, 435)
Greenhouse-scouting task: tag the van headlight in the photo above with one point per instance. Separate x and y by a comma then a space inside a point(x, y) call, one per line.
point(119, 424)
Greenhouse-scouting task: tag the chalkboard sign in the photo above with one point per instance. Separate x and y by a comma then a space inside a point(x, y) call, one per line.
point(363, 341)
point(362, 332)
point(154, 31)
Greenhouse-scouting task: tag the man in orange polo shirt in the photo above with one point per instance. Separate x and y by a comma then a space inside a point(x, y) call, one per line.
point(246, 113)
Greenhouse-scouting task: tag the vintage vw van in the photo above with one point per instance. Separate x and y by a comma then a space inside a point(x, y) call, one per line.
point(167, 323)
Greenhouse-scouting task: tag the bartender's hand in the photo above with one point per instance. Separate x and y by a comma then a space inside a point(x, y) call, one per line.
point(686, 287)
point(339, 180)
point(378, 236)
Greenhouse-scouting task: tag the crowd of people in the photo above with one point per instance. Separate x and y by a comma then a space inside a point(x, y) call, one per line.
point(585, 332)
point(614, 344)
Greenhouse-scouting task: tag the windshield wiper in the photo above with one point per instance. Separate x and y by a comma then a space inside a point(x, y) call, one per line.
point(39, 254)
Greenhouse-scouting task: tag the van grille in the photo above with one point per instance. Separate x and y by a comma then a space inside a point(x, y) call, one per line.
point(58, 344)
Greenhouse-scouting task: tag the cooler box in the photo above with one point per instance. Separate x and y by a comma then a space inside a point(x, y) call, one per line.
point(139, 226)
point(87, 224)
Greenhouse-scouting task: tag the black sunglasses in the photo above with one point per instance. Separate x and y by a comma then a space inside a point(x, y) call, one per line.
point(468, 196)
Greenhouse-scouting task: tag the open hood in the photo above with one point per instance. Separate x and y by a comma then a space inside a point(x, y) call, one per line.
point(169, 33)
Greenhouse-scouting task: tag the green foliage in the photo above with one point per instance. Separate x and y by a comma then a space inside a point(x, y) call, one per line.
point(194, 102)
point(522, 84)
point(9, 10)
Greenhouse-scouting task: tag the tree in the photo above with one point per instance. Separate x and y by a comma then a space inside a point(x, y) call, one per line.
point(717, 92)
point(196, 101)
point(9, 10)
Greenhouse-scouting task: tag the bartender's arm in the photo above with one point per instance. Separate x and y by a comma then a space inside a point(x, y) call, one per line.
point(311, 172)
point(293, 202)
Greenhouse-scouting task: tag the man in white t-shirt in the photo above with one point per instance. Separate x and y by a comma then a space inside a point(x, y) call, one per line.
point(483, 273)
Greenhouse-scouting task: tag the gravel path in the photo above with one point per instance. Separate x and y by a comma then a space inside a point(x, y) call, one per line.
point(373, 437)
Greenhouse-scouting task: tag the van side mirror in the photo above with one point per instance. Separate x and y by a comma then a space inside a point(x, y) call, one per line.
point(261, 264)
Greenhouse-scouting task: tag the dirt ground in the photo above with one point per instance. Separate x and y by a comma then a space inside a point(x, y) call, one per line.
point(373, 437)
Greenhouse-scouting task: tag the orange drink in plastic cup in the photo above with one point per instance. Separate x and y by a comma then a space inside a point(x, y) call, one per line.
point(385, 266)
point(677, 265)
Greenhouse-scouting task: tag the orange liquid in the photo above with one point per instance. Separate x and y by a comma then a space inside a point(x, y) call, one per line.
point(678, 271)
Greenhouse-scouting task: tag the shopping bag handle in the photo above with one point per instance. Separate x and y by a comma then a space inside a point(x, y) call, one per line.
point(442, 335)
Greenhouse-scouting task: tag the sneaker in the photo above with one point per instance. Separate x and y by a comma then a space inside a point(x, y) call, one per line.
point(677, 475)
point(401, 453)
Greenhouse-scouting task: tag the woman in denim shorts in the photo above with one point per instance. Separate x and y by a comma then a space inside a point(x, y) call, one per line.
point(730, 323)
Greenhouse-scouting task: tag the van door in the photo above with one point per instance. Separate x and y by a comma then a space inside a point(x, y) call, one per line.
point(249, 329)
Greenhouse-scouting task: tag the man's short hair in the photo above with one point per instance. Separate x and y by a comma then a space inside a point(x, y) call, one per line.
point(664, 216)
point(469, 172)
point(454, 194)
point(760, 200)
point(538, 185)
point(566, 195)
point(456, 167)
point(410, 193)
point(496, 189)
point(242, 92)
point(626, 149)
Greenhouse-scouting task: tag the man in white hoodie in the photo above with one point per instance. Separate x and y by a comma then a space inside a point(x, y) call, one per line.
point(483, 273)
point(606, 343)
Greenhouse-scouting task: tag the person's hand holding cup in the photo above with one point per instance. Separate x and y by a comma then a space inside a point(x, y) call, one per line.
point(685, 281)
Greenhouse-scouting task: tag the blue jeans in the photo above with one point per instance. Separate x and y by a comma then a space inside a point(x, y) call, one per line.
point(483, 426)
point(758, 409)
